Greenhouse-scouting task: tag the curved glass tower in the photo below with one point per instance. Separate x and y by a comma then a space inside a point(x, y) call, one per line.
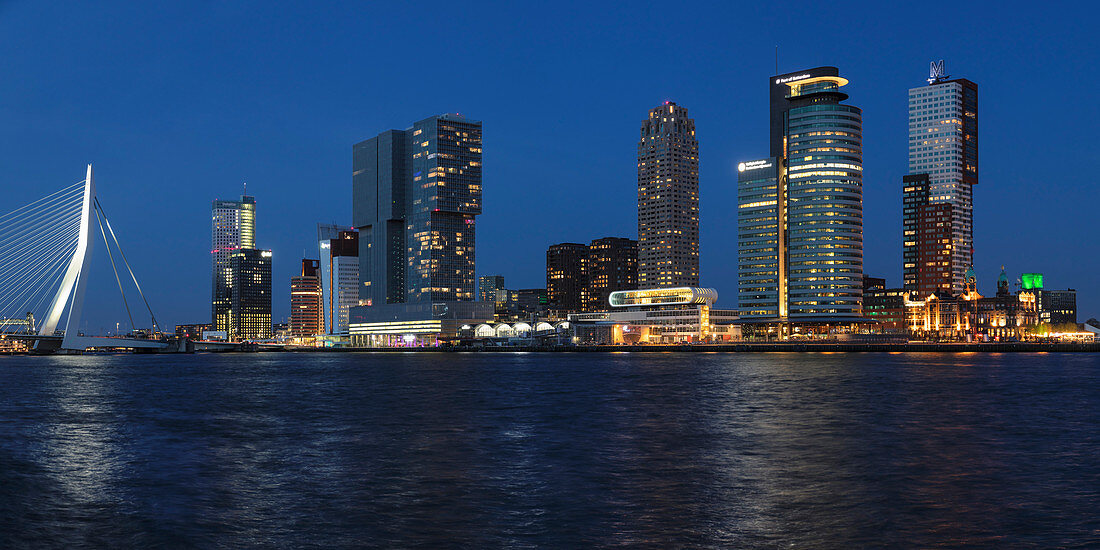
point(824, 151)
point(800, 212)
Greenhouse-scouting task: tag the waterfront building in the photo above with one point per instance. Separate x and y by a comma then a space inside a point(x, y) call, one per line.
point(938, 239)
point(668, 199)
point(490, 288)
point(970, 316)
point(306, 309)
point(800, 211)
point(1056, 307)
point(415, 197)
point(526, 303)
point(611, 266)
point(249, 312)
point(566, 276)
point(232, 228)
point(339, 251)
point(658, 316)
point(887, 307)
point(193, 331)
point(928, 229)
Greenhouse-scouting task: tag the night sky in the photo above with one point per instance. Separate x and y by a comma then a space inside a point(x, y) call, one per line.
point(176, 107)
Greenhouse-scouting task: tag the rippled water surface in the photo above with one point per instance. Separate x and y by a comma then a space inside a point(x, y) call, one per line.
point(550, 450)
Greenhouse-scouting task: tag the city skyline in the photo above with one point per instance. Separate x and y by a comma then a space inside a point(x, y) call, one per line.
point(879, 81)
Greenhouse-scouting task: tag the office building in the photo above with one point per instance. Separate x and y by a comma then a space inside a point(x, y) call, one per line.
point(415, 197)
point(250, 295)
point(887, 306)
point(800, 211)
point(306, 310)
point(339, 250)
point(233, 227)
point(668, 199)
point(1057, 307)
point(338, 247)
point(943, 156)
point(611, 266)
point(490, 288)
point(566, 276)
point(193, 331)
point(526, 302)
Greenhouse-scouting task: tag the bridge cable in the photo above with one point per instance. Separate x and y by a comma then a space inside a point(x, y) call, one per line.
point(107, 245)
point(127, 264)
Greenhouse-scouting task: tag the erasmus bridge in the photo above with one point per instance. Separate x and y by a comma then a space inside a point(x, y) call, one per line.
point(44, 250)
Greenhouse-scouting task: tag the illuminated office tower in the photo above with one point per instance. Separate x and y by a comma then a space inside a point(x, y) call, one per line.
point(758, 240)
point(668, 199)
point(800, 212)
point(306, 313)
point(233, 227)
point(415, 195)
point(250, 295)
point(943, 145)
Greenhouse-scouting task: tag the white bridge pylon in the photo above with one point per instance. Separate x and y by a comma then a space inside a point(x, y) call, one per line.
point(44, 252)
point(75, 276)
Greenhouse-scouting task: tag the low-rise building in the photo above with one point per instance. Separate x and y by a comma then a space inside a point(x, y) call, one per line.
point(415, 324)
point(658, 316)
point(887, 306)
point(973, 317)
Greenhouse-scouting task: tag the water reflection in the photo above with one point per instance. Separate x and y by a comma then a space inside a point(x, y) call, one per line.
point(560, 450)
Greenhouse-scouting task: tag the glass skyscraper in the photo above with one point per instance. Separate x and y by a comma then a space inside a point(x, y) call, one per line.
point(415, 196)
point(232, 228)
point(800, 212)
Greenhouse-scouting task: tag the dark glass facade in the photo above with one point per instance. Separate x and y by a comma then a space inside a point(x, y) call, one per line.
point(415, 195)
point(612, 265)
point(250, 295)
point(566, 275)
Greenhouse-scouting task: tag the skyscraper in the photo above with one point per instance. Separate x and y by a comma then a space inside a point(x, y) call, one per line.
point(566, 276)
point(232, 228)
point(339, 250)
point(306, 313)
point(415, 195)
point(800, 212)
point(943, 145)
point(668, 199)
point(612, 266)
point(250, 295)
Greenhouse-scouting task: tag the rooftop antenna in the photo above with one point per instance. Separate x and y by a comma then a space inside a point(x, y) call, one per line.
point(245, 185)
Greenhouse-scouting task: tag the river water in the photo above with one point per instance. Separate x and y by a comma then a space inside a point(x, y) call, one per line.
point(559, 450)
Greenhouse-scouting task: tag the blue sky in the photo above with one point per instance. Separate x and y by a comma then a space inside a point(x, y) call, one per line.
point(178, 105)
